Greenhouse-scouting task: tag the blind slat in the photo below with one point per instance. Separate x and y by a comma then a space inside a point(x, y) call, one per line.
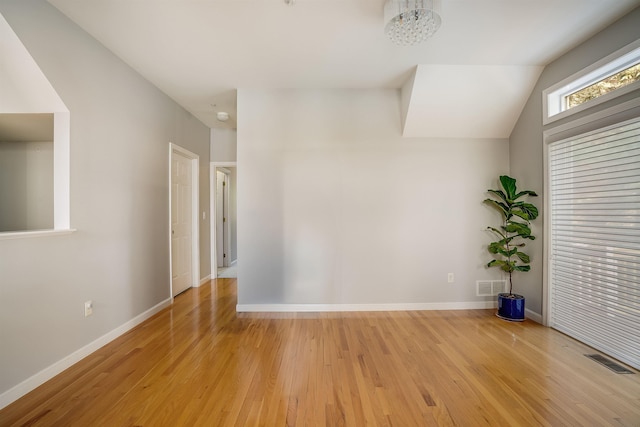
point(621, 162)
point(627, 295)
point(617, 290)
point(614, 271)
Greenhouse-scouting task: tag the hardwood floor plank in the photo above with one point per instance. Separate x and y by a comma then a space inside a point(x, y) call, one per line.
point(198, 362)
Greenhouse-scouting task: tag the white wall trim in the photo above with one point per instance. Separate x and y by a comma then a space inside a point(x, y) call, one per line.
point(558, 132)
point(61, 170)
point(532, 315)
point(212, 220)
point(427, 306)
point(546, 234)
point(205, 280)
point(35, 233)
point(51, 371)
point(224, 164)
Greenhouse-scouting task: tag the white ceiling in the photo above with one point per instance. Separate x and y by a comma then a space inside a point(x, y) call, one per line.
point(200, 51)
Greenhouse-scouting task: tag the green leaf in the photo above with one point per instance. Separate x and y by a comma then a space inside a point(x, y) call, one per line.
point(494, 247)
point(509, 185)
point(518, 213)
point(499, 193)
point(525, 193)
point(523, 257)
point(504, 209)
point(498, 232)
point(500, 249)
point(527, 208)
point(517, 227)
point(522, 267)
point(508, 267)
point(504, 265)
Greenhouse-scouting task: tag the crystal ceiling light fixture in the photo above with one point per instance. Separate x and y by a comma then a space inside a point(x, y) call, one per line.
point(408, 22)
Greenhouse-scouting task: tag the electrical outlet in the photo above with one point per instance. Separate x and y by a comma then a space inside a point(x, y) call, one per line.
point(88, 308)
point(450, 278)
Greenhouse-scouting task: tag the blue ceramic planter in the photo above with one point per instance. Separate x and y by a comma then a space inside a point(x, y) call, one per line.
point(511, 307)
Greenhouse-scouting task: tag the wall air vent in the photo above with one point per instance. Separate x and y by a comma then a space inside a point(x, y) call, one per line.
point(488, 288)
point(615, 367)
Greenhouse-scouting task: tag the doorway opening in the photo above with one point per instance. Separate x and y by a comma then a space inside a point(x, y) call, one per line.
point(224, 259)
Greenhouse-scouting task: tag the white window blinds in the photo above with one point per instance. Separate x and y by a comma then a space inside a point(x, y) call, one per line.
point(595, 239)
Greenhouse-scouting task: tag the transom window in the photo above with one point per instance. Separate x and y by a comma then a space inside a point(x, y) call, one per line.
point(615, 75)
point(604, 86)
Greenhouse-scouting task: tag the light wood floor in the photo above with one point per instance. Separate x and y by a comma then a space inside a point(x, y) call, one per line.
point(199, 363)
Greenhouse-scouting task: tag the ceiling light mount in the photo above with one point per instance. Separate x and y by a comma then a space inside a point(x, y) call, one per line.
point(222, 116)
point(408, 22)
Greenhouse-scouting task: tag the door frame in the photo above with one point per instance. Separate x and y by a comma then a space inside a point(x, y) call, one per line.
point(212, 215)
point(195, 229)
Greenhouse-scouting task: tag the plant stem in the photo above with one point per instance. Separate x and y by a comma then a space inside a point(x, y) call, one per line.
point(509, 261)
point(510, 284)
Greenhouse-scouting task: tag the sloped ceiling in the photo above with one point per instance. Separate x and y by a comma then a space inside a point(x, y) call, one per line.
point(23, 86)
point(470, 80)
point(27, 99)
point(467, 101)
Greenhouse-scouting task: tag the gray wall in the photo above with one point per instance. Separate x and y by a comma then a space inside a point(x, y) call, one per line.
point(224, 145)
point(336, 207)
point(26, 185)
point(121, 126)
point(224, 149)
point(526, 143)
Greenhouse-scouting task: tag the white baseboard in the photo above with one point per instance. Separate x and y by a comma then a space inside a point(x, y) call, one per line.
point(49, 372)
point(293, 308)
point(532, 315)
point(204, 280)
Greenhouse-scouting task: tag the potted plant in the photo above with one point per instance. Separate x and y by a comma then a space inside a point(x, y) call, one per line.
point(507, 251)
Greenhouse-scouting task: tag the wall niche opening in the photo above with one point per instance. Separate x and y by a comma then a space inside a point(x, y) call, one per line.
point(26, 172)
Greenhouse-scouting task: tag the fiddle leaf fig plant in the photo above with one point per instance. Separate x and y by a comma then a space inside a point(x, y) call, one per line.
point(516, 215)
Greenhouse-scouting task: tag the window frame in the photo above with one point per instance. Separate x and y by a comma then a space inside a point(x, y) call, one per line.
point(554, 96)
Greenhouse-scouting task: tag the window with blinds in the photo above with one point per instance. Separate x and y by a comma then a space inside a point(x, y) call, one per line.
point(595, 239)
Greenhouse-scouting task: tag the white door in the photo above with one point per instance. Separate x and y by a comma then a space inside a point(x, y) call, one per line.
point(181, 223)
